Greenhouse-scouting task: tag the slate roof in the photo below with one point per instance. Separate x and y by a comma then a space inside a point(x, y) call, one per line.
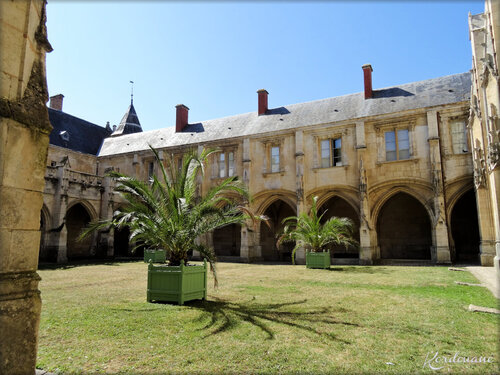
point(74, 133)
point(438, 91)
point(129, 123)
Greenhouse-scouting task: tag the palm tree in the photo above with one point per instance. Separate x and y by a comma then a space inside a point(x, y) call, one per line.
point(308, 231)
point(170, 214)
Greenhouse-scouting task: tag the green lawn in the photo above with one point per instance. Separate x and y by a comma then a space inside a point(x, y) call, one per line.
point(265, 319)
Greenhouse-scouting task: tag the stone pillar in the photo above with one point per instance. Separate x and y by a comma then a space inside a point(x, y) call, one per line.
point(367, 253)
point(24, 130)
point(440, 252)
point(249, 251)
point(300, 254)
point(107, 210)
point(58, 234)
point(487, 245)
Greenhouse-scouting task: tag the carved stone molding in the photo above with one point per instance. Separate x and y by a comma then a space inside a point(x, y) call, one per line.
point(479, 168)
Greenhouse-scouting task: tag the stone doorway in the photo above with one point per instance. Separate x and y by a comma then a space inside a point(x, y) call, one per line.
point(339, 207)
point(404, 229)
point(227, 240)
point(77, 218)
point(465, 229)
point(121, 242)
point(276, 212)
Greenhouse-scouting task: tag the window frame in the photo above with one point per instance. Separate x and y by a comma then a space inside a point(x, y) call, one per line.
point(334, 160)
point(396, 131)
point(271, 157)
point(465, 149)
point(226, 163)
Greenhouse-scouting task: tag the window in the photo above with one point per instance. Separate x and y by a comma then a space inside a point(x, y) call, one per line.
point(230, 164)
point(151, 168)
point(331, 152)
point(179, 164)
point(397, 145)
point(275, 159)
point(459, 137)
point(222, 165)
point(225, 161)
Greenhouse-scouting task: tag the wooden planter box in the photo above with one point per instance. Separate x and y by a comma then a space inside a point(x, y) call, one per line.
point(157, 256)
point(318, 260)
point(177, 283)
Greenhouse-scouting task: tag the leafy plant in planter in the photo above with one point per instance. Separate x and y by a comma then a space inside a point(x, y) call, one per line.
point(169, 213)
point(308, 231)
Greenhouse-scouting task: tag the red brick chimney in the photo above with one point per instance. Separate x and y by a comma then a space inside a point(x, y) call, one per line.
point(262, 101)
point(56, 102)
point(181, 119)
point(367, 73)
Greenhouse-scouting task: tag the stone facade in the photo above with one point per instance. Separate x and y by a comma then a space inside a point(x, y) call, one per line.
point(484, 125)
point(410, 165)
point(24, 138)
point(403, 202)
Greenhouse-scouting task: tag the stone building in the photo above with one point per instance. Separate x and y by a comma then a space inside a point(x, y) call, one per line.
point(415, 167)
point(397, 161)
point(24, 138)
point(484, 122)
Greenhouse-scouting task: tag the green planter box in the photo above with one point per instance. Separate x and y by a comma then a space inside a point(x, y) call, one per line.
point(157, 256)
point(318, 260)
point(177, 283)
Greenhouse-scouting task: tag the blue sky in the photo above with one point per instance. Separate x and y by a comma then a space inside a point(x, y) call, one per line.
point(214, 56)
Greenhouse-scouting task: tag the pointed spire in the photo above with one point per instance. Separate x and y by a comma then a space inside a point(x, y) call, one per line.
point(130, 121)
point(132, 93)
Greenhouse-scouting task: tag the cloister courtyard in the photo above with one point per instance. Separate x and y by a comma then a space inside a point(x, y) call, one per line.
point(266, 318)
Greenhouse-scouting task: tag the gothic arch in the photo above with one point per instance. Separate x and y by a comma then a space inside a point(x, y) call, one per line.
point(404, 227)
point(276, 210)
point(334, 204)
point(88, 207)
point(464, 227)
point(45, 226)
point(375, 210)
point(78, 217)
point(327, 195)
point(458, 188)
point(268, 197)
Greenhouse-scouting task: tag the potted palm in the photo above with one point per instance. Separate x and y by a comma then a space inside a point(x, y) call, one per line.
point(308, 231)
point(169, 213)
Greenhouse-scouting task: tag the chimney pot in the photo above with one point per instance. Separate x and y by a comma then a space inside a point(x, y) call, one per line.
point(367, 74)
point(114, 128)
point(56, 102)
point(181, 119)
point(263, 107)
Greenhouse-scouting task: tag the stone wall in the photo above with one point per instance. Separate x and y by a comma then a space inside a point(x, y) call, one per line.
point(24, 129)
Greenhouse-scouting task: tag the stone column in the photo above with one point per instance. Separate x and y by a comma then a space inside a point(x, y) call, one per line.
point(487, 245)
point(300, 254)
point(107, 209)
point(24, 130)
point(440, 252)
point(58, 234)
point(367, 253)
point(249, 251)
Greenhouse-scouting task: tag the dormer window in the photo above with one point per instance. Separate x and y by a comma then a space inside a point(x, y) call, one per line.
point(64, 135)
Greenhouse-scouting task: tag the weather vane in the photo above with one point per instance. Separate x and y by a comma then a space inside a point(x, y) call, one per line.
point(132, 93)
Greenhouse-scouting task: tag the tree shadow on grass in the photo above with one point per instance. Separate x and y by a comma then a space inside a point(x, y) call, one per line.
point(358, 269)
point(225, 315)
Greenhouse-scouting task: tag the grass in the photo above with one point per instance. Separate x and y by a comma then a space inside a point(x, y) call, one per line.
point(265, 319)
